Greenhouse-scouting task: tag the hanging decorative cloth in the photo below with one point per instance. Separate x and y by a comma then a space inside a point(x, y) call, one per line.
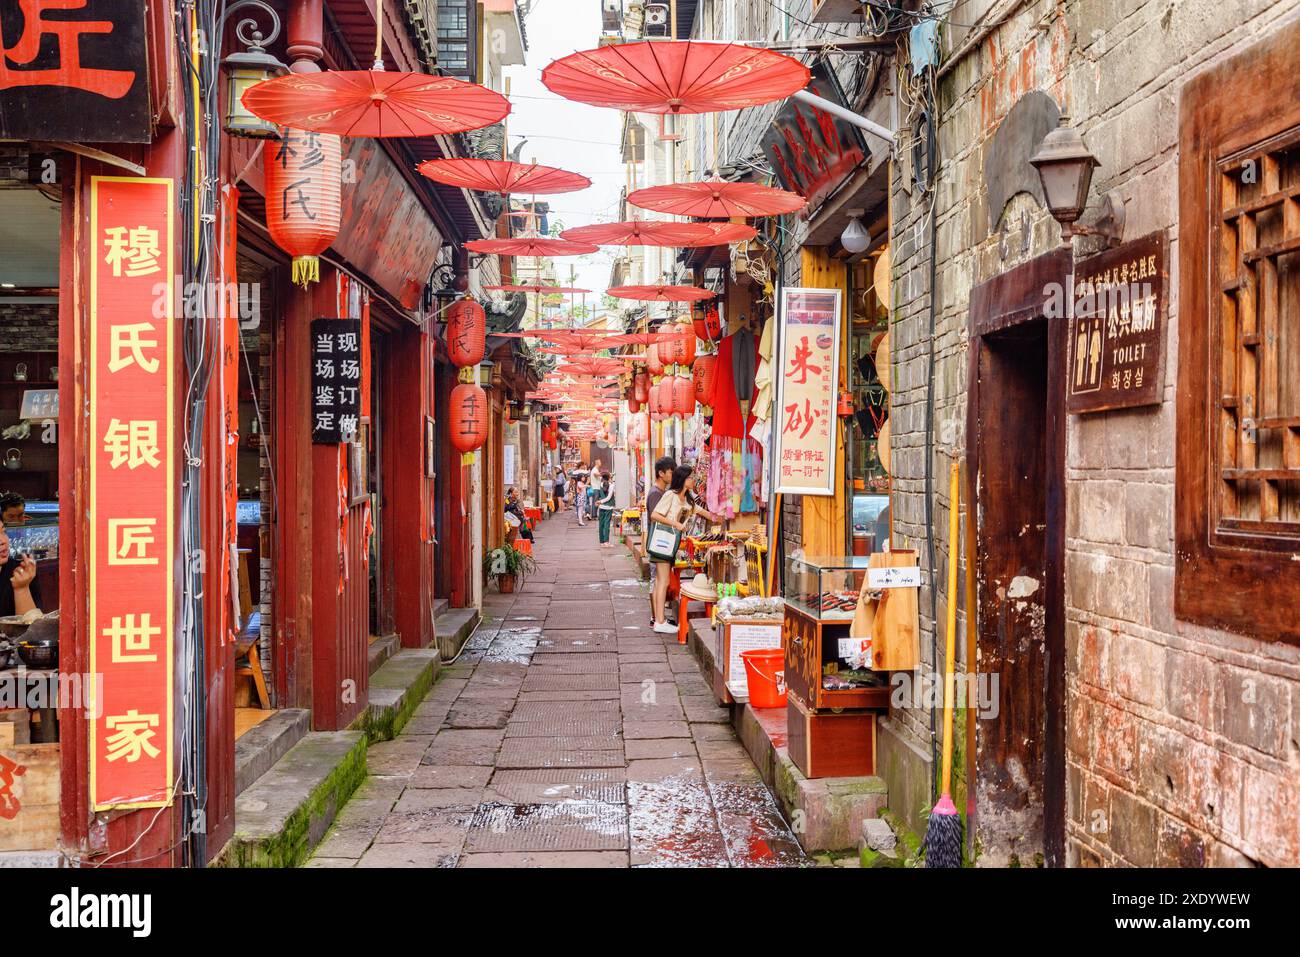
point(763, 377)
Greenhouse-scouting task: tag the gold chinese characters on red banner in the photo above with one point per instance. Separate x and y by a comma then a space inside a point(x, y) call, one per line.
point(131, 491)
point(809, 348)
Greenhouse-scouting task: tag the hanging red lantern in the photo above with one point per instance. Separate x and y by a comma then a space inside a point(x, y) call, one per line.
point(302, 174)
point(654, 361)
point(703, 375)
point(683, 396)
point(633, 405)
point(641, 386)
point(697, 323)
point(466, 332)
point(712, 325)
point(684, 348)
point(468, 417)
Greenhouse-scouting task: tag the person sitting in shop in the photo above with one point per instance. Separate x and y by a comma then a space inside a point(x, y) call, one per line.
point(18, 592)
point(516, 508)
point(13, 509)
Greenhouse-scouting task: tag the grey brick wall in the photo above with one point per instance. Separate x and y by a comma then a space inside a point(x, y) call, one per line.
point(1181, 741)
point(29, 327)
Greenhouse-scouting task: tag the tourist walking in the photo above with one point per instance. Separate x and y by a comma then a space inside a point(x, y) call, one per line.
point(605, 508)
point(558, 488)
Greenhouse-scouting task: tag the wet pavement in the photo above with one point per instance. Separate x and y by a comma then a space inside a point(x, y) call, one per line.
point(567, 733)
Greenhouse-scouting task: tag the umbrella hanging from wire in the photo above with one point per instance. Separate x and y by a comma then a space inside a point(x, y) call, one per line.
point(530, 246)
point(376, 102)
point(661, 293)
point(722, 233)
point(717, 199)
point(676, 76)
point(502, 176)
point(637, 232)
point(535, 287)
point(592, 365)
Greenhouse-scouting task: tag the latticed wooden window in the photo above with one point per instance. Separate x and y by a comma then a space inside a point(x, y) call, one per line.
point(1237, 478)
point(1258, 487)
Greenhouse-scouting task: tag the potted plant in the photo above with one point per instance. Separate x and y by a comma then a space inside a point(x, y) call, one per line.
point(509, 566)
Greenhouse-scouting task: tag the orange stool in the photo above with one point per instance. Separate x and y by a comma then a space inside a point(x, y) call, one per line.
point(524, 545)
point(688, 595)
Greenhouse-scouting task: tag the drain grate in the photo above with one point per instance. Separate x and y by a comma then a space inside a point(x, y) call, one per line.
point(601, 724)
point(543, 682)
point(529, 753)
point(555, 785)
point(570, 826)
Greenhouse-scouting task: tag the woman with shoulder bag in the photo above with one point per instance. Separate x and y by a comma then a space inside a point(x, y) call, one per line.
point(671, 517)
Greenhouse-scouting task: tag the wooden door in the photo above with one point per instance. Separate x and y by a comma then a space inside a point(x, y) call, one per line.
point(1016, 449)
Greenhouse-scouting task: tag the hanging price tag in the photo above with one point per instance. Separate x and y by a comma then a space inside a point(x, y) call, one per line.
point(903, 576)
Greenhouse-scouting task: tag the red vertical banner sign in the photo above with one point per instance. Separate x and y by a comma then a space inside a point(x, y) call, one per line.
point(132, 480)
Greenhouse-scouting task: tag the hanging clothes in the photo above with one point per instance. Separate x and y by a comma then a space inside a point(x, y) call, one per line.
point(763, 377)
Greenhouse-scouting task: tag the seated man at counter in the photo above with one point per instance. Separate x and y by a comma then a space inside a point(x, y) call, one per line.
point(13, 509)
point(18, 593)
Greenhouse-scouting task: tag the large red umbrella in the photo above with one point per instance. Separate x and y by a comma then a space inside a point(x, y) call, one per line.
point(535, 287)
point(592, 365)
point(661, 293)
point(680, 76)
point(720, 233)
point(502, 176)
point(375, 103)
point(530, 246)
point(639, 233)
point(716, 199)
point(587, 340)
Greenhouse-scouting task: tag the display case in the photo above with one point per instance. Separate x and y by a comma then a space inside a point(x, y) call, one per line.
point(39, 535)
point(825, 589)
point(870, 523)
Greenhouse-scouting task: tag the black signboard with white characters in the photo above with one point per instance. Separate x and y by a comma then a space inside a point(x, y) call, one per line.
point(335, 380)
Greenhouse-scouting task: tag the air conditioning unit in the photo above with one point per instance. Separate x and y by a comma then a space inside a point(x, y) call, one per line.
point(611, 15)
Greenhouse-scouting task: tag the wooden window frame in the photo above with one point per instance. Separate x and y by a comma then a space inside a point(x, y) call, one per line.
point(1230, 574)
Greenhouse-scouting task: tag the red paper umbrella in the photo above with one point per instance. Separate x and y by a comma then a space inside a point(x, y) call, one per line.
point(502, 176)
point(720, 233)
point(592, 365)
point(715, 199)
point(375, 103)
point(660, 293)
point(530, 246)
point(535, 288)
point(640, 233)
point(684, 76)
point(665, 334)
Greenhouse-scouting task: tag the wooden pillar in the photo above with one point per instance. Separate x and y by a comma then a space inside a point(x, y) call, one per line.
point(407, 544)
point(825, 517)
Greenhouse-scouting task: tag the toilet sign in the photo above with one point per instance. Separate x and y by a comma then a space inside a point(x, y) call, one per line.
point(1116, 320)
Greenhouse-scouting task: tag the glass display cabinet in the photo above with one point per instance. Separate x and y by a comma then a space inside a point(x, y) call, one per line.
point(823, 588)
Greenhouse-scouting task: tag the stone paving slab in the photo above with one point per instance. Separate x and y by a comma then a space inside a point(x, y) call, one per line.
point(572, 826)
point(511, 859)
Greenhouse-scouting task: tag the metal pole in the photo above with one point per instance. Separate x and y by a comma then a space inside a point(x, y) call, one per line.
point(857, 119)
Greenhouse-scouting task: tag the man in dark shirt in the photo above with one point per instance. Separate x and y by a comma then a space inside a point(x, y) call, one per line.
point(663, 476)
point(18, 592)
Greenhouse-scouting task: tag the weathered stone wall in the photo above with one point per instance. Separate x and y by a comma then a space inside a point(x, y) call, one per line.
point(1181, 741)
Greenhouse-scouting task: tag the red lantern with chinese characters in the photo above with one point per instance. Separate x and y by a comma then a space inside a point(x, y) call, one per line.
point(703, 376)
point(302, 175)
point(712, 325)
point(654, 361)
point(641, 386)
point(469, 417)
point(684, 348)
point(466, 333)
point(683, 396)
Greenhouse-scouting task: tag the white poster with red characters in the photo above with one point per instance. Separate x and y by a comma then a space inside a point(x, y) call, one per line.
point(808, 337)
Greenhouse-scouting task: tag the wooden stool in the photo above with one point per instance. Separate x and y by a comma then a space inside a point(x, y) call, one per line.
point(689, 594)
point(251, 667)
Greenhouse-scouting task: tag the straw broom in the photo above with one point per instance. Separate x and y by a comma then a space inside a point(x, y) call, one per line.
point(943, 830)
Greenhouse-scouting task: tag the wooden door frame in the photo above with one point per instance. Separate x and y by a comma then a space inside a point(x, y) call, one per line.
point(1015, 298)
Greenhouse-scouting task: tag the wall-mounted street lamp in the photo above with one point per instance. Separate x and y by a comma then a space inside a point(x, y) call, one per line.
point(1065, 168)
point(248, 69)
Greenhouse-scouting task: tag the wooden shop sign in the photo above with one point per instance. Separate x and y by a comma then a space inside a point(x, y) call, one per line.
point(1117, 320)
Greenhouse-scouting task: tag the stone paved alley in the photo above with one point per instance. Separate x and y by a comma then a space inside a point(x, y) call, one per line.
point(568, 733)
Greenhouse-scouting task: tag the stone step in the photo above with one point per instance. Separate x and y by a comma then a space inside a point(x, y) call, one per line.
point(831, 809)
point(439, 606)
point(381, 649)
point(452, 629)
point(281, 818)
point(396, 689)
point(261, 747)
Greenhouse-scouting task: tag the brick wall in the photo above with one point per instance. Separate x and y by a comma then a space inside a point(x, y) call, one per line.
point(29, 327)
point(1181, 741)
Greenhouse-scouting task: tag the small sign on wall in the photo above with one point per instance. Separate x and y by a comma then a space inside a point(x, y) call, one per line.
point(335, 380)
point(1117, 328)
